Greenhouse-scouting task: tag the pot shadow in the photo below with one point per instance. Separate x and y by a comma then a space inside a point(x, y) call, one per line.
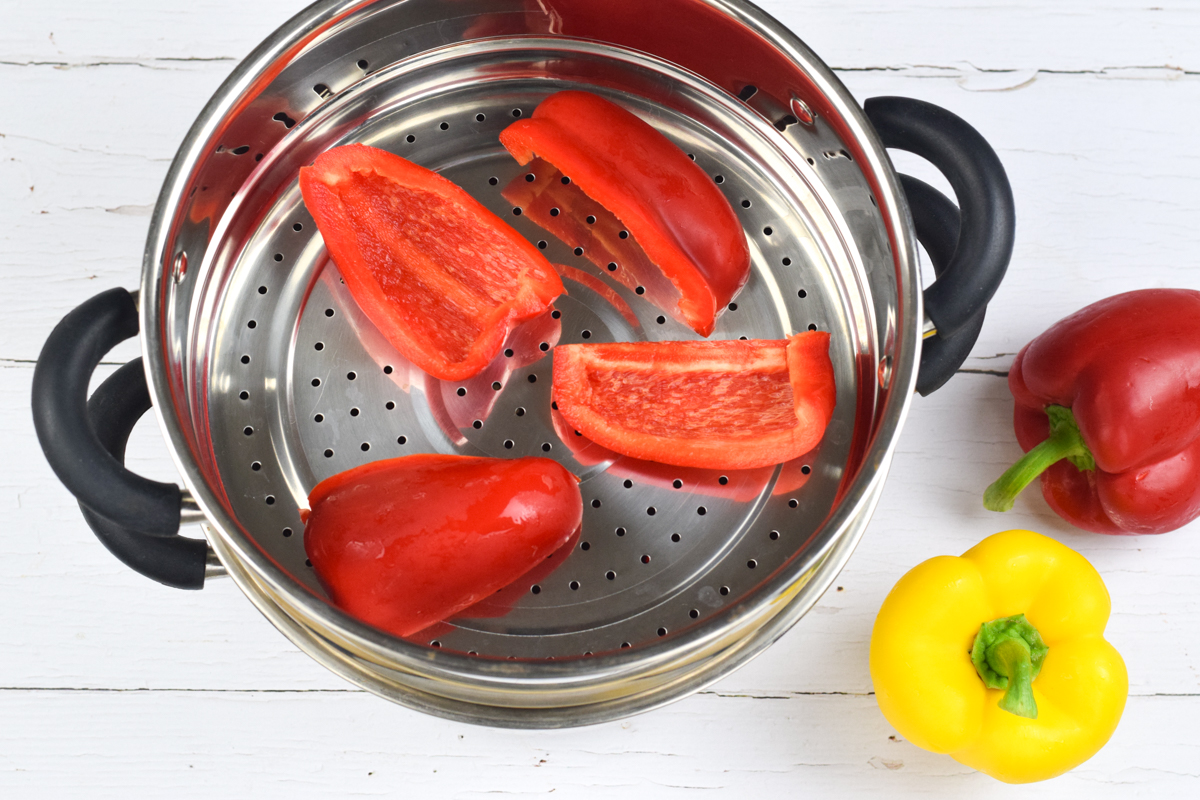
point(455, 406)
point(556, 204)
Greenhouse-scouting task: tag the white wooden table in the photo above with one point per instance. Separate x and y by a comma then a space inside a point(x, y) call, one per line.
point(111, 685)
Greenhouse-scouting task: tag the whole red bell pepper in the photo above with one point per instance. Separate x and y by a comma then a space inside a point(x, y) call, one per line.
point(670, 206)
point(443, 278)
point(1108, 412)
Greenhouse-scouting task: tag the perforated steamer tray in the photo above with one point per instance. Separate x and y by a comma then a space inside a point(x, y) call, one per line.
point(274, 380)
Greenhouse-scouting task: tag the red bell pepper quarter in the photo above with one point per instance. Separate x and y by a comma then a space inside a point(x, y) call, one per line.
point(443, 278)
point(721, 405)
point(669, 205)
point(1107, 408)
point(403, 543)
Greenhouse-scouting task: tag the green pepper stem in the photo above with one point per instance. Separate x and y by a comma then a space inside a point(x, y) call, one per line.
point(1011, 658)
point(1064, 441)
point(1008, 654)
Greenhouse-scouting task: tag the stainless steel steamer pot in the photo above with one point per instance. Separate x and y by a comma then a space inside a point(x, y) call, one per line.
point(266, 378)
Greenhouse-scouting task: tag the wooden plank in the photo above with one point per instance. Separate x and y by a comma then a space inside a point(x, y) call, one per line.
point(1068, 35)
point(80, 179)
point(155, 34)
point(306, 744)
point(980, 35)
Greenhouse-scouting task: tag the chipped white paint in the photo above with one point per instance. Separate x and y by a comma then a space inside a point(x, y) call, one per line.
point(110, 685)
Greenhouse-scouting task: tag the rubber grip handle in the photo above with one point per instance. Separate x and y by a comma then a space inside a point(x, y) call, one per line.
point(937, 222)
point(113, 411)
point(985, 201)
point(78, 457)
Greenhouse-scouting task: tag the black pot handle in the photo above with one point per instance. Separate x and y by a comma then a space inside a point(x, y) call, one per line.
point(113, 411)
point(937, 222)
point(955, 303)
point(136, 518)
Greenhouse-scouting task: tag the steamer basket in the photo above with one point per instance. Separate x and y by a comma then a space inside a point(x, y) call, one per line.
point(267, 378)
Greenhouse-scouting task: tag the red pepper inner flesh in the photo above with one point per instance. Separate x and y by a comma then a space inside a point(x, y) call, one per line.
point(741, 405)
point(440, 276)
point(443, 278)
point(717, 405)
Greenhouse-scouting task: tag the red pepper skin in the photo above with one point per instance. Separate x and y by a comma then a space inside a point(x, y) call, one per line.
point(403, 543)
point(671, 207)
point(716, 405)
point(443, 278)
point(1129, 369)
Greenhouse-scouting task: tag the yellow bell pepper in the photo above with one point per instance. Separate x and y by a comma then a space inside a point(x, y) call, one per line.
point(1043, 692)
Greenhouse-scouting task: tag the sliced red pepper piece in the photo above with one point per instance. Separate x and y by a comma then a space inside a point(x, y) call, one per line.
point(720, 405)
point(443, 278)
point(406, 542)
point(675, 211)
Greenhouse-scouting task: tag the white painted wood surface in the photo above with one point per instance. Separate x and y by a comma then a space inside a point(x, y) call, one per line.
point(113, 686)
